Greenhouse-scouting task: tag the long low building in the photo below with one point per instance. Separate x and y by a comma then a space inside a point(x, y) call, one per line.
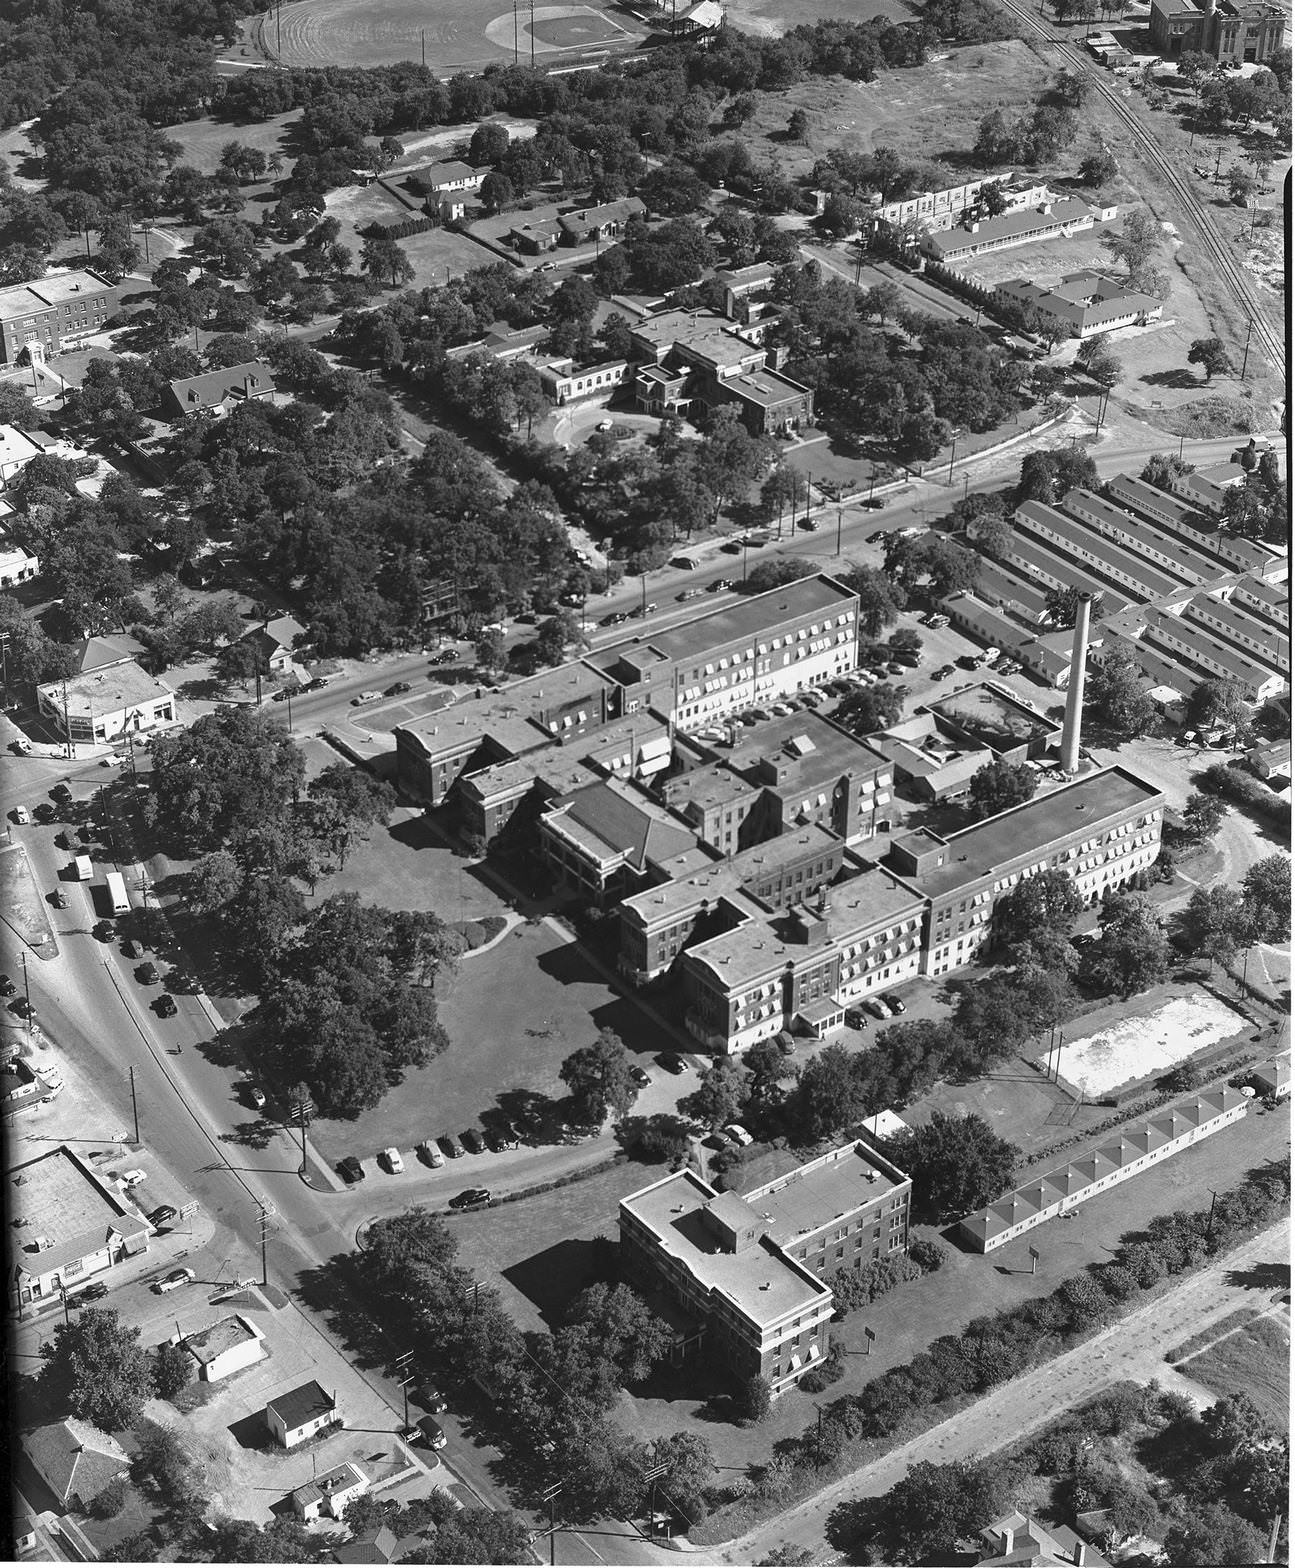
point(1107, 561)
point(1127, 1155)
point(1186, 522)
point(1045, 566)
point(1192, 644)
point(1261, 597)
point(1050, 220)
point(1179, 559)
point(1084, 303)
point(1235, 625)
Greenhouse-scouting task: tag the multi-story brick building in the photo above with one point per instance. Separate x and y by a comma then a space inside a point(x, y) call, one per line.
point(753, 651)
point(54, 313)
point(605, 842)
point(751, 1272)
point(798, 969)
point(1233, 31)
point(791, 772)
point(1101, 830)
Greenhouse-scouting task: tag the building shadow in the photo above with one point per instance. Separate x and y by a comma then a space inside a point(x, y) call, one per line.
point(551, 1279)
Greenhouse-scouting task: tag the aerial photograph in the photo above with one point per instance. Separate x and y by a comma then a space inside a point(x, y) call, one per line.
point(646, 738)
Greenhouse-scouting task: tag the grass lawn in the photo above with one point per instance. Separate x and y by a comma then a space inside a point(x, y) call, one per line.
point(1253, 1359)
point(513, 1014)
point(772, 18)
point(203, 139)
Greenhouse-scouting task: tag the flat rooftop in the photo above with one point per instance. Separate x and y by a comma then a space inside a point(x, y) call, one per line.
point(816, 748)
point(107, 689)
point(58, 1198)
point(505, 715)
point(208, 1343)
point(1026, 832)
point(557, 768)
point(765, 387)
point(758, 1280)
point(740, 622)
point(992, 716)
point(827, 1189)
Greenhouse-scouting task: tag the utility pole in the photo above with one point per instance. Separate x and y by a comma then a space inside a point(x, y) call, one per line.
point(302, 1107)
point(551, 1498)
point(422, 46)
point(654, 1475)
point(263, 1219)
point(1245, 358)
point(134, 1103)
point(514, 32)
point(405, 1377)
point(532, 35)
point(838, 530)
point(953, 452)
point(26, 991)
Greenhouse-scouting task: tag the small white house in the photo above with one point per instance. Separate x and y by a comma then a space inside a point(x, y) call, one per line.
point(300, 1414)
point(329, 1494)
point(225, 1347)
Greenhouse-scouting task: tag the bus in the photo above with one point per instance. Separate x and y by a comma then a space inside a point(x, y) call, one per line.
point(117, 899)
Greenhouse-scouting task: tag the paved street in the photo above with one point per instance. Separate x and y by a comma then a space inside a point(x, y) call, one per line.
point(1133, 1348)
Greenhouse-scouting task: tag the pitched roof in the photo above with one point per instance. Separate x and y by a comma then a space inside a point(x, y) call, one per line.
point(215, 387)
point(281, 632)
point(623, 824)
point(300, 1405)
point(377, 1544)
point(75, 1459)
point(97, 652)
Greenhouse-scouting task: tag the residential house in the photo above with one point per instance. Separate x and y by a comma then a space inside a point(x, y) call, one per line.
point(17, 565)
point(276, 642)
point(377, 1544)
point(76, 1461)
point(450, 178)
point(300, 1414)
point(535, 236)
point(1018, 1541)
point(600, 224)
point(218, 392)
point(328, 1494)
point(46, 316)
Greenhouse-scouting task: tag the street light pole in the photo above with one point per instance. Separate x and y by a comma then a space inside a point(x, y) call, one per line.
point(134, 1103)
point(953, 450)
point(838, 530)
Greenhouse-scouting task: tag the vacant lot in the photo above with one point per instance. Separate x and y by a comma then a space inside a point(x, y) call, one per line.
point(1253, 1359)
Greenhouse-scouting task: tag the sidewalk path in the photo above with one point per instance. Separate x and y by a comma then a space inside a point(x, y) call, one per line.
point(1134, 1347)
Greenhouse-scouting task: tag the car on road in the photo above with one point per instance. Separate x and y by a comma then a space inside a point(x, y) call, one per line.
point(874, 503)
point(22, 745)
point(616, 618)
point(472, 1141)
point(640, 1077)
point(112, 760)
point(317, 684)
point(671, 1061)
point(469, 1197)
point(365, 696)
point(162, 1215)
point(450, 1147)
point(396, 688)
point(689, 593)
point(165, 1006)
point(174, 1280)
point(732, 547)
point(604, 424)
point(877, 535)
point(394, 1163)
point(943, 673)
point(350, 1169)
point(147, 974)
point(445, 656)
point(431, 1398)
point(720, 585)
point(432, 1432)
point(96, 1290)
point(282, 695)
point(7, 987)
point(428, 1151)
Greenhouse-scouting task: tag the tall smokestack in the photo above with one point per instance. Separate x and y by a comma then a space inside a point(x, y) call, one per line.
point(1075, 695)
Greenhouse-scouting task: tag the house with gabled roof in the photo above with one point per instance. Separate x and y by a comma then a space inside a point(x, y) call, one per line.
point(218, 391)
point(76, 1461)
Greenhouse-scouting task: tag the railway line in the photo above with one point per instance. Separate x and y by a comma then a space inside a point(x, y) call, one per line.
point(1267, 316)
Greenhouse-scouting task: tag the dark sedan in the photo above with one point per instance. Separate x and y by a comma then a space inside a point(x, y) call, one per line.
point(350, 1169)
point(470, 1198)
point(163, 1215)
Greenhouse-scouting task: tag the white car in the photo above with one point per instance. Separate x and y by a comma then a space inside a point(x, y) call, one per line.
point(604, 424)
point(258, 1097)
point(365, 696)
point(738, 1134)
point(431, 1153)
point(394, 1163)
point(111, 761)
point(22, 814)
point(174, 1280)
point(133, 1179)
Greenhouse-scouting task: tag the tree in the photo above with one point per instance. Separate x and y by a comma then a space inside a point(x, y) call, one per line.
point(999, 786)
point(1216, 924)
point(118, 252)
point(1099, 168)
point(869, 708)
point(348, 801)
point(598, 1076)
point(1139, 239)
point(930, 1513)
point(623, 1327)
point(489, 143)
point(1240, 183)
point(798, 126)
point(172, 1369)
point(496, 192)
point(778, 572)
point(1132, 953)
point(1046, 902)
point(767, 1067)
point(721, 1096)
point(1218, 704)
point(491, 650)
point(164, 1465)
point(382, 259)
point(96, 1366)
point(755, 1400)
point(880, 600)
point(227, 245)
point(1115, 697)
point(1267, 889)
point(1211, 356)
point(1202, 817)
point(1212, 1533)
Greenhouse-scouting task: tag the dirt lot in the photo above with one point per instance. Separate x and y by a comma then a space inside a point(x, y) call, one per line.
point(1253, 1359)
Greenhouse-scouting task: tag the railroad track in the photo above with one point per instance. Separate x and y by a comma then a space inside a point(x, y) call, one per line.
point(1267, 316)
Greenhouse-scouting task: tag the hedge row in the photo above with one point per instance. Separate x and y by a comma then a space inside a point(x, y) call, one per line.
point(583, 1174)
point(957, 1369)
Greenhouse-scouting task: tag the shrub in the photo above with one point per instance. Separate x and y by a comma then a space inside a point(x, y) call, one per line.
point(829, 1371)
point(928, 1255)
point(754, 1401)
point(108, 1503)
point(172, 1370)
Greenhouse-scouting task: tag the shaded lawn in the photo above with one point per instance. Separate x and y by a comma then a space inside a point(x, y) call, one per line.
point(1252, 1360)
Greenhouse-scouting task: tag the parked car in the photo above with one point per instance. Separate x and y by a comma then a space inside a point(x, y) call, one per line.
point(450, 1147)
point(968, 661)
point(616, 618)
point(671, 1061)
point(874, 503)
point(394, 1163)
point(350, 1169)
point(854, 1018)
point(22, 1007)
point(22, 745)
point(431, 1398)
point(640, 1077)
point(877, 1008)
point(895, 1005)
point(469, 1197)
point(174, 1280)
point(445, 656)
point(472, 1141)
point(7, 987)
point(943, 673)
point(738, 1134)
point(162, 1215)
point(257, 1096)
point(61, 793)
point(164, 1006)
point(396, 688)
point(720, 585)
point(786, 1044)
point(96, 1290)
point(877, 535)
point(894, 668)
point(428, 1151)
point(147, 974)
point(132, 1179)
point(132, 948)
point(365, 696)
point(58, 898)
point(432, 1432)
point(21, 815)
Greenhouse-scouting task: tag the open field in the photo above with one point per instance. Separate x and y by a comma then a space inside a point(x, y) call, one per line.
point(1253, 1359)
point(454, 35)
point(436, 255)
point(772, 18)
point(203, 139)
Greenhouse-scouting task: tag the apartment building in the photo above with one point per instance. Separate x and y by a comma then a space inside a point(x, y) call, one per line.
point(1181, 560)
point(1083, 303)
point(791, 772)
point(1126, 1155)
point(753, 1272)
point(1101, 830)
point(753, 651)
point(799, 969)
point(1186, 522)
point(1082, 543)
point(695, 901)
point(50, 314)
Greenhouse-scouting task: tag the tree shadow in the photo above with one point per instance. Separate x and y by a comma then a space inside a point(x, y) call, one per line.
point(1268, 1276)
point(341, 1290)
point(251, 1135)
point(1178, 378)
point(534, 1116)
